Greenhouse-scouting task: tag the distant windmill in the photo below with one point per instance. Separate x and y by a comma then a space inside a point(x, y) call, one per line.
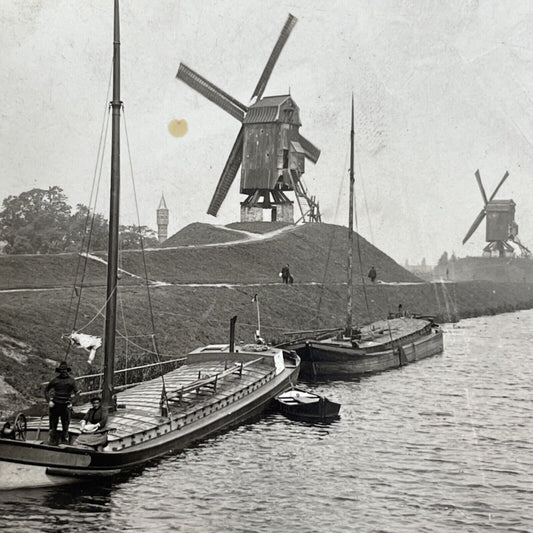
point(269, 147)
point(501, 226)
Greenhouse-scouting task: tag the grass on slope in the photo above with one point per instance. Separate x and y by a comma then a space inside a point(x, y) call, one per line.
point(258, 227)
point(198, 233)
point(188, 317)
point(315, 253)
point(27, 271)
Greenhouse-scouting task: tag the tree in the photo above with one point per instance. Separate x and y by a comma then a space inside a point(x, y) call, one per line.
point(35, 222)
point(40, 222)
point(84, 226)
point(443, 261)
point(130, 237)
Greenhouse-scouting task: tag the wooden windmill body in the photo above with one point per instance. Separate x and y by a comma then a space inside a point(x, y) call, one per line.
point(269, 148)
point(501, 228)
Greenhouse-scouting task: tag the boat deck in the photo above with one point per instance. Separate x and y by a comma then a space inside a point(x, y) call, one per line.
point(189, 388)
point(382, 331)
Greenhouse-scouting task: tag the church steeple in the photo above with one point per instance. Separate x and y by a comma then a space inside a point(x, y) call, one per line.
point(162, 220)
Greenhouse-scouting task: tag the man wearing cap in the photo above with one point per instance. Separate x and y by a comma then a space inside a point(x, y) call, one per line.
point(59, 394)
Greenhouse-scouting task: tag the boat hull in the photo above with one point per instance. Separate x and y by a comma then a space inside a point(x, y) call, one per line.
point(323, 410)
point(27, 464)
point(20, 475)
point(322, 360)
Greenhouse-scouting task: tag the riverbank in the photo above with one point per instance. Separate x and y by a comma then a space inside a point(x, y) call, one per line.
point(198, 288)
point(31, 323)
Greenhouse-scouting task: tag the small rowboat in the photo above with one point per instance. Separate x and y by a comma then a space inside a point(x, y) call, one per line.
point(304, 405)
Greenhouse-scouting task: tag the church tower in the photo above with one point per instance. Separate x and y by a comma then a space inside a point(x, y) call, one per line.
point(162, 220)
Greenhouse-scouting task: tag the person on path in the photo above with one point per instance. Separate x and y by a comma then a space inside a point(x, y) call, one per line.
point(372, 274)
point(286, 273)
point(59, 394)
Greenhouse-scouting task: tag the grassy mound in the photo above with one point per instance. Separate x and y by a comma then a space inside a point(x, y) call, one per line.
point(258, 227)
point(315, 252)
point(198, 233)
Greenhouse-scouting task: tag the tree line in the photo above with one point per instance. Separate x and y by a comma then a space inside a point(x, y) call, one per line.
point(40, 221)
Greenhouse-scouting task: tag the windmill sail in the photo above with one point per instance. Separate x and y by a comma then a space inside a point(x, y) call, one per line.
point(505, 176)
point(481, 188)
point(282, 39)
point(211, 92)
point(228, 174)
point(475, 225)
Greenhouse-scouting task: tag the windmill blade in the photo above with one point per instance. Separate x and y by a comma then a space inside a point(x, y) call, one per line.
point(475, 225)
point(228, 174)
point(481, 188)
point(211, 92)
point(505, 176)
point(282, 39)
point(311, 151)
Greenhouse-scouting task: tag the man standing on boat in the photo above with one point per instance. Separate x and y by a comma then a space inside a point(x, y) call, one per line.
point(59, 394)
point(372, 274)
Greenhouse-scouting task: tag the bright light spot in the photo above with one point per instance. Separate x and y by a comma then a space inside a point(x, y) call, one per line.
point(178, 128)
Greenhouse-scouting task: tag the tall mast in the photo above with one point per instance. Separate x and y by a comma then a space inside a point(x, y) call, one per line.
point(114, 205)
point(350, 232)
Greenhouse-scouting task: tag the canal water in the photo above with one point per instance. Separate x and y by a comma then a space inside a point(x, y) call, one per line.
point(442, 445)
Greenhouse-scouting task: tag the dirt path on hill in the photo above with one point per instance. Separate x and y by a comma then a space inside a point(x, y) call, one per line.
point(250, 237)
point(225, 285)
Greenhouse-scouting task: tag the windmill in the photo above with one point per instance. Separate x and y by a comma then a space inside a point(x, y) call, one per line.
point(501, 226)
point(269, 147)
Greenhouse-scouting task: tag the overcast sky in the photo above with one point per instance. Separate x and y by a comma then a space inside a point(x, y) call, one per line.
point(441, 89)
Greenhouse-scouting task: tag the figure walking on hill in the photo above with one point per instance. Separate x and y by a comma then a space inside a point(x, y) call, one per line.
point(372, 274)
point(59, 394)
point(286, 274)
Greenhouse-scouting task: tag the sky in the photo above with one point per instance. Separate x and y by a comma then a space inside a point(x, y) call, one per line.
point(440, 88)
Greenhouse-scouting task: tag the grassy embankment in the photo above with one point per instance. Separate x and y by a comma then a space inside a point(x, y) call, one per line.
point(31, 323)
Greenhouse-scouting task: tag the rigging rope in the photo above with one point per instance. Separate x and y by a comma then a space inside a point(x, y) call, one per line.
point(360, 260)
point(141, 240)
point(94, 191)
point(127, 343)
point(330, 245)
point(98, 313)
point(360, 174)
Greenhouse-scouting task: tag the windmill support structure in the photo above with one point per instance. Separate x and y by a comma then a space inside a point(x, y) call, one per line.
point(305, 201)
